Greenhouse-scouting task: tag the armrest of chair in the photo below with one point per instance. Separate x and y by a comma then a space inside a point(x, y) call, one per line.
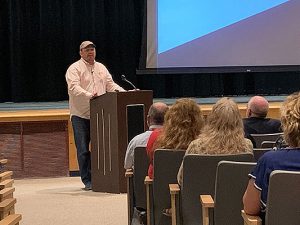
point(251, 220)
point(6, 183)
point(207, 203)
point(6, 193)
point(3, 162)
point(12, 219)
point(129, 173)
point(129, 178)
point(148, 182)
point(7, 207)
point(5, 175)
point(174, 192)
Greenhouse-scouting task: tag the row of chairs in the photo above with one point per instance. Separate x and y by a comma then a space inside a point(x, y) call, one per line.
point(199, 178)
point(220, 190)
point(7, 201)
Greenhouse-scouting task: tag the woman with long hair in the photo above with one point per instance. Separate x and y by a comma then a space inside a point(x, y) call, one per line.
point(182, 124)
point(223, 133)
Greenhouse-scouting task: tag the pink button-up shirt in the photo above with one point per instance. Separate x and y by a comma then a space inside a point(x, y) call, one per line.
point(84, 81)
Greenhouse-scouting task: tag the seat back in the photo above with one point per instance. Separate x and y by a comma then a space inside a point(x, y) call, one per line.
point(258, 152)
point(141, 164)
point(166, 166)
point(259, 138)
point(283, 206)
point(231, 183)
point(268, 144)
point(199, 173)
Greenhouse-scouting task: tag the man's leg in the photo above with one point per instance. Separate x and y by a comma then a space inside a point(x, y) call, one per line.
point(81, 128)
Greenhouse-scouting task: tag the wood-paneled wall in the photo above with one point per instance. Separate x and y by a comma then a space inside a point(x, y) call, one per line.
point(11, 117)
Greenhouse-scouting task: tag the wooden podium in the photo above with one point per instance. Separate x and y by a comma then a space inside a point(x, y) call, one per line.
point(116, 117)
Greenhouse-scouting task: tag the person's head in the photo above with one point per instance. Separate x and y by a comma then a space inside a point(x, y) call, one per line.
point(290, 120)
point(87, 51)
point(257, 106)
point(156, 113)
point(225, 115)
point(183, 123)
point(224, 131)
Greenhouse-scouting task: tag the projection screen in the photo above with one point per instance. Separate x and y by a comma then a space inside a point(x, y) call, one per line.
point(222, 33)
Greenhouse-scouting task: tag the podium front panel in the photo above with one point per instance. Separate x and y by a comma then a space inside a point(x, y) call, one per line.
point(115, 118)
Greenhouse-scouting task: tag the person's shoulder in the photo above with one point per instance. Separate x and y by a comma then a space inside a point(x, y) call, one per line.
point(275, 124)
point(196, 142)
point(141, 135)
point(246, 119)
point(156, 132)
point(195, 146)
point(75, 64)
point(100, 65)
point(273, 155)
point(274, 121)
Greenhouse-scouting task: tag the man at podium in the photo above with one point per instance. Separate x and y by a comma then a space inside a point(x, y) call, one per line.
point(86, 79)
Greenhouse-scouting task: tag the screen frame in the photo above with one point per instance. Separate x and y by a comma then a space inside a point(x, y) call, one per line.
point(151, 53)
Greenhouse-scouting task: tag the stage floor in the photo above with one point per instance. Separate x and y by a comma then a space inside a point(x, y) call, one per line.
point(11, 106)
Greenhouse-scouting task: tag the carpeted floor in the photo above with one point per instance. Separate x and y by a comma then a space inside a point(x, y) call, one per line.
point(61, 201)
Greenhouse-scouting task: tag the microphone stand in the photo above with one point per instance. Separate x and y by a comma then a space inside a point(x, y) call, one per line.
point(127, 81)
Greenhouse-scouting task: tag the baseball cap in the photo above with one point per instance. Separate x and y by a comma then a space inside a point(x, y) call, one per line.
point(85, 44)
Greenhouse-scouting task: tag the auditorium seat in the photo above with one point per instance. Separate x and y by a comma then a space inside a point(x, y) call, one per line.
point(12, 219)
point(5, 175)
point(6, 183)
point(231, 177)
point(283, 200)
point(7, 202)
point(166, 165)
point(7, 207)
point(6, 193)
point(136, 190)
point(259, 138)
point(199, 173)
point(268, 144)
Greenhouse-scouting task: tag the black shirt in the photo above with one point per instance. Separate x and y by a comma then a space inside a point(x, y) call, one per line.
point(257, 125)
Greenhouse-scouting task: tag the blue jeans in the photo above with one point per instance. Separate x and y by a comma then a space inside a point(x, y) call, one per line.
point(81, 128)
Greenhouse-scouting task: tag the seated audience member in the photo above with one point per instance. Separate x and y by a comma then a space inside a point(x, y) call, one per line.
point(255, 197)
point(222, 134)
point(182, 124)
point(256, 121)
point(155, 119)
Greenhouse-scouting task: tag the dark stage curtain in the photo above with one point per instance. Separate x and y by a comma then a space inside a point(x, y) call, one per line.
point(39, 39)
point(220, 84)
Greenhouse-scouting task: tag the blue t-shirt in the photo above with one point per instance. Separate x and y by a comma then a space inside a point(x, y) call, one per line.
point(283, 159)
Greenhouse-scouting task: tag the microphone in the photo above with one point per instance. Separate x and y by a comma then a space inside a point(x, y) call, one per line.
point(127, 81)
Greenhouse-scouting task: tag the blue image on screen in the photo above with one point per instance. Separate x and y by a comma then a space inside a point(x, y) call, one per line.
point(180, 21)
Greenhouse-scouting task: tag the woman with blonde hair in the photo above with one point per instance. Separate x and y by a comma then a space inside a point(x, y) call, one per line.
point(255, 197)
point(222, 134)
point(182, 124)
